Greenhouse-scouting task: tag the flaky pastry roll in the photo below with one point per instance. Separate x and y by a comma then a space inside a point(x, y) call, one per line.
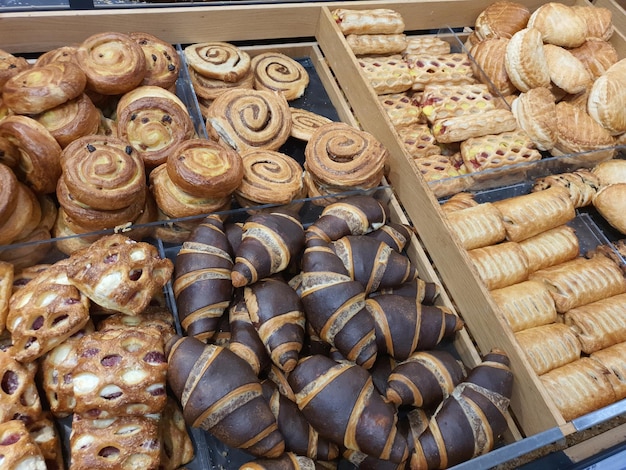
point(525, 305)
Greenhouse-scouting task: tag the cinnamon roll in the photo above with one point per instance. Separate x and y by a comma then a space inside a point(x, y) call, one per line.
point(204, 168)
point(340, 155)
point(60, 54)
point(113, 62)
point(248, 119)
point(39, 165)
point(8, 194)
point(10, 65)
point(23, 218)
point(162, 60)
point(154, 121)
point(210, 88)
point(104, 173)
point(176, 203)
point(274, 71)
point(269, 177)
point(304, 123)
point(219, 60)
point(69, 121)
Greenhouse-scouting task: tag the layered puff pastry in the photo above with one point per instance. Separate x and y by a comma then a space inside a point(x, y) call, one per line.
point(372, 21)
point(549, 346)
point(526, 62)
point(582, 185)
point(501, 19)
point(500, 265)
point(477, 226)
point(525, 305)
point(613, 359)
point(607, 96)
point(551, 247)
point(559, 24)
point(363, 44)
point(610, 202)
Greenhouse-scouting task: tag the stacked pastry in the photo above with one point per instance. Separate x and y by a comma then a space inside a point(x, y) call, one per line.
point(553, 64)
point(556, 302)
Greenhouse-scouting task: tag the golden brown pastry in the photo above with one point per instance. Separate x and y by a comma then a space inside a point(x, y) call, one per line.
point(535, 111)
point(559, 24)
point(176, 444)
point(459, 128)
point(610, 172)
point(23, 219)
point(363, 44)
point(526, 304)
point(599, 324)
point(39, 165)
point(113, 63)
point(6, 289)
point(403, 109)
point(275, 71)
point(20, 450)
point(446, 69)
point(386, 74)
point(477, 226)
point(549, 346)
point(204, 168)
point(596, 55)
point(489, 64)
point(38, 89)
point(566, 71)
point(372, 21)
point(579, 387)
point(304, 123)
point(607, 97)
point(501, 19)
point(613, 359)
point(531, 214)
point(525, 62)
point(459, 201)
point(154, 121)
point(9, 154)
point(599, 21)
point(68, 241)
point(498, 150)
point(48, 439)
point(269, 177)
point(20, 398)
point(418, 140)
point(10, 65)
point(500, 265)
point(442, 101)
point(162, 60)
point(609, 202)
point(581, 281)
point(71, 120)
point(582, 184)
point(248, 119)
point(8, 195)
point(442, 174)
point(551, 247)
point(59, 54)
point(431, 45)
point(219, 60)
point(207, 88)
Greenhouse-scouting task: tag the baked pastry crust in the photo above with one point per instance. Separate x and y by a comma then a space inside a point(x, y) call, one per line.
point(549, 346)
point(8, 195)
point(610, 203)
point(607, 97)
point(566, 71)
point(442, 174)
point(599, 21)
point(304, 123)
point(500, 265)
point(526, 63)
point(442, 101)
point(501, 19)
point(6, 289)
point(386, 74)
point(363, 44)
point(610, 172)
point(59, 54)
point(372, 21)
point(19, 394)
point(531, 214)
point(559, 24)
point(463, 127)
point(526, 304)
point(596, 55)
point(220, 60)
point(459, 201)
point(498, 150)
point(403, 109)
point(489, 64)
point(551, 247)
point(446, 69)
point(418, 140)
point(274, 71)
point(162, 60)
point(613, 359)
point(582, 184)
point(22, 451)
point(581, 281)
point(535, 111)
point(11, 65)
point(430, 45)
point(477, 226)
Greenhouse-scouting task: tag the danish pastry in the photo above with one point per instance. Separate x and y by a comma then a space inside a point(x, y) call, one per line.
point(21, 451)
point(526, 304)
point(498, 150)
point(446, 69)
point(535, 111)
point(372, 21)
point(501, 19)
point(20, 398)
point(500, 265)
point(559, 24)
point(613, 359)
point(551, 247)
point(274, 71)
point(386, 74)
point(489, 64)
point(304, 123)
point(441, 173)
point(431, 45)
point(440, 102)
point(363, 44)
point(477, 226)
point(549, 346)
point(219, 60)
point(582, 185)
point(207, 88)
point(459, 128)
point(59, 54)
point(11, 65)
point(162, 60)
point(403, 109)
point(418, 140)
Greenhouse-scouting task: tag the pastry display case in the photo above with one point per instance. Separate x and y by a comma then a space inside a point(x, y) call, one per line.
point(341, 91)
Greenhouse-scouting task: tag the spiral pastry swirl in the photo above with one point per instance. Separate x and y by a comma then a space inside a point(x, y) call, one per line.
point(210, 88)
point(249, 119)
point(340, 155)
point(162, 60)
point(38, 89)
point(71, 120)
point(204, 168)
point(154, 121)
point(274, 71)
point(113, 62)
point(60, 54)
point(10, 65)
point(304, 123)
point(219, 60)
point(269, 177)
point(8, 194)
point(103, 172)
point(9, 154)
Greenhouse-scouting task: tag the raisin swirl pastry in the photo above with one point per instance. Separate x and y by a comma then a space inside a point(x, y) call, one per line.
point(60, 54)
point(208, 88)
point(204, 168)
point(103, 172)
point(246, 119)
point(113, 63)
point(219, 60)
point(69, 121)
point(274, 71)
point(340, 155)
point(8, 195)
point(39, 165)
point(269, 177)
point(38, 89)
point(153, 120)
point(10, 65)
point(162, 60)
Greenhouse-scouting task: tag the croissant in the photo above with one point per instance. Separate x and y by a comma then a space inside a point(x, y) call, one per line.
point(397, 236)
point(300, 437)
point(404, 325)
point(354, 215)
point(334, 305)
point(220, 394)
point(467, 423)
point(373, 263)
point(287, 461)
point(424, 379)
point(422, 291)
point(340, 401)
point(381, 370)
point(244, 338)
point(269, 242)
point(202, 285)
point(278, 316)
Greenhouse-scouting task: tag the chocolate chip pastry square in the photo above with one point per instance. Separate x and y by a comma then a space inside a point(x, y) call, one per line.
point(120, 372)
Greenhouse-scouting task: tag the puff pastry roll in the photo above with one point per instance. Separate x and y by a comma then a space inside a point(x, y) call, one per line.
point(614, 359)
point(459, 201)
point(477, 226)
point(581, 281)
point(579, 387)
point(362, 44)
point(551, 247)
point(525, 305)
point(465, 126)
point(599, 324)
point(531, 214)
point(549, 346)
point(500, 265)
point(582, 185)
point(374, 21)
